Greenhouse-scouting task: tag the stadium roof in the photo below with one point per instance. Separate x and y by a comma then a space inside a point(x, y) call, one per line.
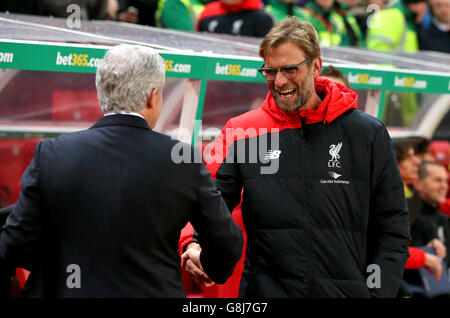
point(39, 28)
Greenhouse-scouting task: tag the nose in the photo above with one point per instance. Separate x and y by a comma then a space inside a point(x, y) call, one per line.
point(280, 79)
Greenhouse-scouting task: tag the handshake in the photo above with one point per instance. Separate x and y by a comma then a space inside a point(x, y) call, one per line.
point(190, 260)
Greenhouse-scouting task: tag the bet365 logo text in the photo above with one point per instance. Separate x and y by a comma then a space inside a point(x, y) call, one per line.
point(75, 59)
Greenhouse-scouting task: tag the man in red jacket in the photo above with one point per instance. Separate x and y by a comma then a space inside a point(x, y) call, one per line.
point(322, 198)
point(237, 17)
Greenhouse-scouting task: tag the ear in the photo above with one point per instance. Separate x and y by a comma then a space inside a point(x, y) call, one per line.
point(317, 66)
point(151, 99)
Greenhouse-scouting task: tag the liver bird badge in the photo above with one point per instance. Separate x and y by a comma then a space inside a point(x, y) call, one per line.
point(334, 151)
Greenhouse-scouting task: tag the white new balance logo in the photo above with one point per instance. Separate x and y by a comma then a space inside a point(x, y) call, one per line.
point(272, 154)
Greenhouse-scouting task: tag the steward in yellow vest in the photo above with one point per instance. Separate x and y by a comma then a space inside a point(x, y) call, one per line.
point(354, 36)
point(331, 25)
point(395, 28)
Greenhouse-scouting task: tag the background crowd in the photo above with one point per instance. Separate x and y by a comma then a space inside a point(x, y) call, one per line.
point(396, 25)
point(424, 166)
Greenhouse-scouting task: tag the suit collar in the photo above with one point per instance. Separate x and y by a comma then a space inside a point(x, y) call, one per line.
point(121, 120)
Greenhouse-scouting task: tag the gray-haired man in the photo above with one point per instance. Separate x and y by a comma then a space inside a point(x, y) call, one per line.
point(100, 211)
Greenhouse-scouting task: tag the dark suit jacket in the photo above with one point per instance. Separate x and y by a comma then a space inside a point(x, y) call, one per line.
point(4, 213)
point(100, 213)
point(5, 272)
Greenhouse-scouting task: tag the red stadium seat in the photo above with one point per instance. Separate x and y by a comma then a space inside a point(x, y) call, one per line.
point(15, 156)
point(441, 151)
point(75, 105)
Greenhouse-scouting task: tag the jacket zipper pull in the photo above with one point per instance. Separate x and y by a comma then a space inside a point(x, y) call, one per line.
point(302, 119)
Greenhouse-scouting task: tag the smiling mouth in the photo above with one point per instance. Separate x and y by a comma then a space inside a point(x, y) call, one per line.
point(287, 93)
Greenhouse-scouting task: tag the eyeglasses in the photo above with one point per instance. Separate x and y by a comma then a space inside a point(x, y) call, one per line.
point(288, 71)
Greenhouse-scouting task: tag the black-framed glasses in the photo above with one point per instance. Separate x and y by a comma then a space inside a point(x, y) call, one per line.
point(288, 71)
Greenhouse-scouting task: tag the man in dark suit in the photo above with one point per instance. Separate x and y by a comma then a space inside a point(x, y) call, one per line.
point(100, 211)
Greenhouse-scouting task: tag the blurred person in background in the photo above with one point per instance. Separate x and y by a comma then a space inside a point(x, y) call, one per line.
point(381, 4)
point(434, 33)
point(355, 34)
point(179, 14)
point(237, 17)
point(408, 163)
point(22, 6)
point(329, 24)
point(336, 75)
point(280, 9)
point(138, 11)
point(429, 226)
point(395, 28)
point(332, 25)
point(423, 149)
point(431, 190)
point(419, 258)
point(440, 150)
point(367, 12)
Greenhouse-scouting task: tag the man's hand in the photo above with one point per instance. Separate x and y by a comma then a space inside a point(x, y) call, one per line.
point(433, 265)
point(440, 248)
point(191, 260)
point(130, 16)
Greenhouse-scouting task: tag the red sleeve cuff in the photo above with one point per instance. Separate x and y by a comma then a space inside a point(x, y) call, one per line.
point(186, 237)
point(416, 258)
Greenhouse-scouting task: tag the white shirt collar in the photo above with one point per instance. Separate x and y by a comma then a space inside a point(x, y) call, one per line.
point(441, 26)
point(125, 113)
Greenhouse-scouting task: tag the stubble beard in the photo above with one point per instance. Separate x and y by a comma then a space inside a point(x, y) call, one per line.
point(303, 95)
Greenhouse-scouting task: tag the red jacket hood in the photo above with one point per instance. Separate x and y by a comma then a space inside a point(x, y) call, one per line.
point(338, 99)
point(219, 8)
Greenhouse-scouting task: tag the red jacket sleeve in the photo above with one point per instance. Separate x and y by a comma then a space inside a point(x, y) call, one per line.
point(416, 258)
point(186, 236)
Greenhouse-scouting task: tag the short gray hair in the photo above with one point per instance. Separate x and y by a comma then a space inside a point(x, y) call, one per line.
point(126, 77)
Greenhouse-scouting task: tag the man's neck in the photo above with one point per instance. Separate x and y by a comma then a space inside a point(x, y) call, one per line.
point(313, 102)
point(125, 113)
point(430, 204)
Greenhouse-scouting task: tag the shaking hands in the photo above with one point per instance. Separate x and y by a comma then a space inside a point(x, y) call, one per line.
point(191, 261)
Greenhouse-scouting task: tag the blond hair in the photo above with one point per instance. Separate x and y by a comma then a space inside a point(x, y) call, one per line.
point(292, 29)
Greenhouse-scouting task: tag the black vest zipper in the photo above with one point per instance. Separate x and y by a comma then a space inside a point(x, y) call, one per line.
point(303, 121)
